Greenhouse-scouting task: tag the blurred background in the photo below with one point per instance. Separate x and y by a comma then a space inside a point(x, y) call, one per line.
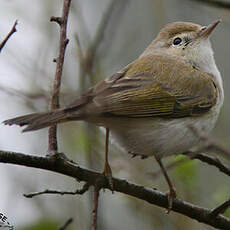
point(104, 37)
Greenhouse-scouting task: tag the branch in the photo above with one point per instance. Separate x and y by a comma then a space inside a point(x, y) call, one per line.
point(98, 38)
point(150, 195)
point(221, 208)
point(47, 191)
point(209, 143)
point(214, 161)
point(13, 30)
point(216, 3)
point(62, 22)
point(66, 224)
point(96, 193)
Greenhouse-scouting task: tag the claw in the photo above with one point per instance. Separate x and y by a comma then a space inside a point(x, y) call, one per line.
point(108, 174)
point(171, 197)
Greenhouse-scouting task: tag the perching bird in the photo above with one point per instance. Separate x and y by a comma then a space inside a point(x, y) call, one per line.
point(149, 105)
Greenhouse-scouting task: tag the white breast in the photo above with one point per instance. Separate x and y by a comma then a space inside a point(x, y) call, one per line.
point(161, 137)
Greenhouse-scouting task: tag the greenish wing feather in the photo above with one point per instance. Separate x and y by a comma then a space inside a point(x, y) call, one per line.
point(156, 86)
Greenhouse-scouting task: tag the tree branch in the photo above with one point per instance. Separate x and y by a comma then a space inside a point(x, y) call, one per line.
point(152, 196)
point(62, 21)
point(221, 208)
point(216, 3)
point(214, 161)
point(66, 224)
point(96, 193)
point(13, 30)
point(47, 191)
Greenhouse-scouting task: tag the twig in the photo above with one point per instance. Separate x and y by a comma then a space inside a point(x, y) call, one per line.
point(209, 144)
point(220, 209)
point(214, 161)
point(96, 193)
point(66, 224)
point(216, 3)
point(62, 21)
point(13, 30)
point(98, 38)
point(150, 195)
point(47, 191)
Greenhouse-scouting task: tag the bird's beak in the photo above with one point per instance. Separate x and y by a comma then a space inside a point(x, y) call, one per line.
point(206, 31)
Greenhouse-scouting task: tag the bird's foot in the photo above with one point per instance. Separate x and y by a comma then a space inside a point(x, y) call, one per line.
point(108, 174)
point(59, 156)
point(171, 196)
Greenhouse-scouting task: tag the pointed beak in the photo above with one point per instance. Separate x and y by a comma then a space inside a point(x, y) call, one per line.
point(207, 30)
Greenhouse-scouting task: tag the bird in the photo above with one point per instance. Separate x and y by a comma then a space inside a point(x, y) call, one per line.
point(149, 105)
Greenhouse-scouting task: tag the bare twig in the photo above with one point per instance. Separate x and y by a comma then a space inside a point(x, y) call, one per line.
point(62, 21)
point(96, 194)
point(214, 161)
point(220, 209)
point(66, 224)
point(47, 191)
point(88, 59)
point(150, 195)
point(216, 3)
point(13, 30)
point(209, 143)
point(100, 33)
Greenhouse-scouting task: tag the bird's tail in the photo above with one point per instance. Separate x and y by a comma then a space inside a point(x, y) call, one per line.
point(36, 121)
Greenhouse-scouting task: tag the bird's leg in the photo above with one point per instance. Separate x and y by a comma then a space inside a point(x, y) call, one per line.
point(172, 190)
point(107, 169)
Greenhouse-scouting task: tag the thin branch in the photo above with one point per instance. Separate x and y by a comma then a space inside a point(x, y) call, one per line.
point(214, 161)
point(13, 30)
point(209, 143)
point(47, 191)
point(216, 3)
point(62, 21)
point(150, 195)
point(220, 209)
point(66, 224)
point(96, 194)
point(98, 38)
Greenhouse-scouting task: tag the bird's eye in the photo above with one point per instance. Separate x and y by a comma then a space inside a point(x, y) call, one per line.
point(177, 41)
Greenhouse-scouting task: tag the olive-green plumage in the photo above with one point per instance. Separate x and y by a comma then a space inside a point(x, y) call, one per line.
point(157, 86)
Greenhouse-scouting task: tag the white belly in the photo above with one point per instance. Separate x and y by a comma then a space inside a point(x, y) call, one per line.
point(160, 137)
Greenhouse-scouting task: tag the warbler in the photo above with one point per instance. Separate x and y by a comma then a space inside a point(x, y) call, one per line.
point(149, 105)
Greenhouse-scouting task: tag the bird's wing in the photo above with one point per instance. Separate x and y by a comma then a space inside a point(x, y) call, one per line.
point(155, 86)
